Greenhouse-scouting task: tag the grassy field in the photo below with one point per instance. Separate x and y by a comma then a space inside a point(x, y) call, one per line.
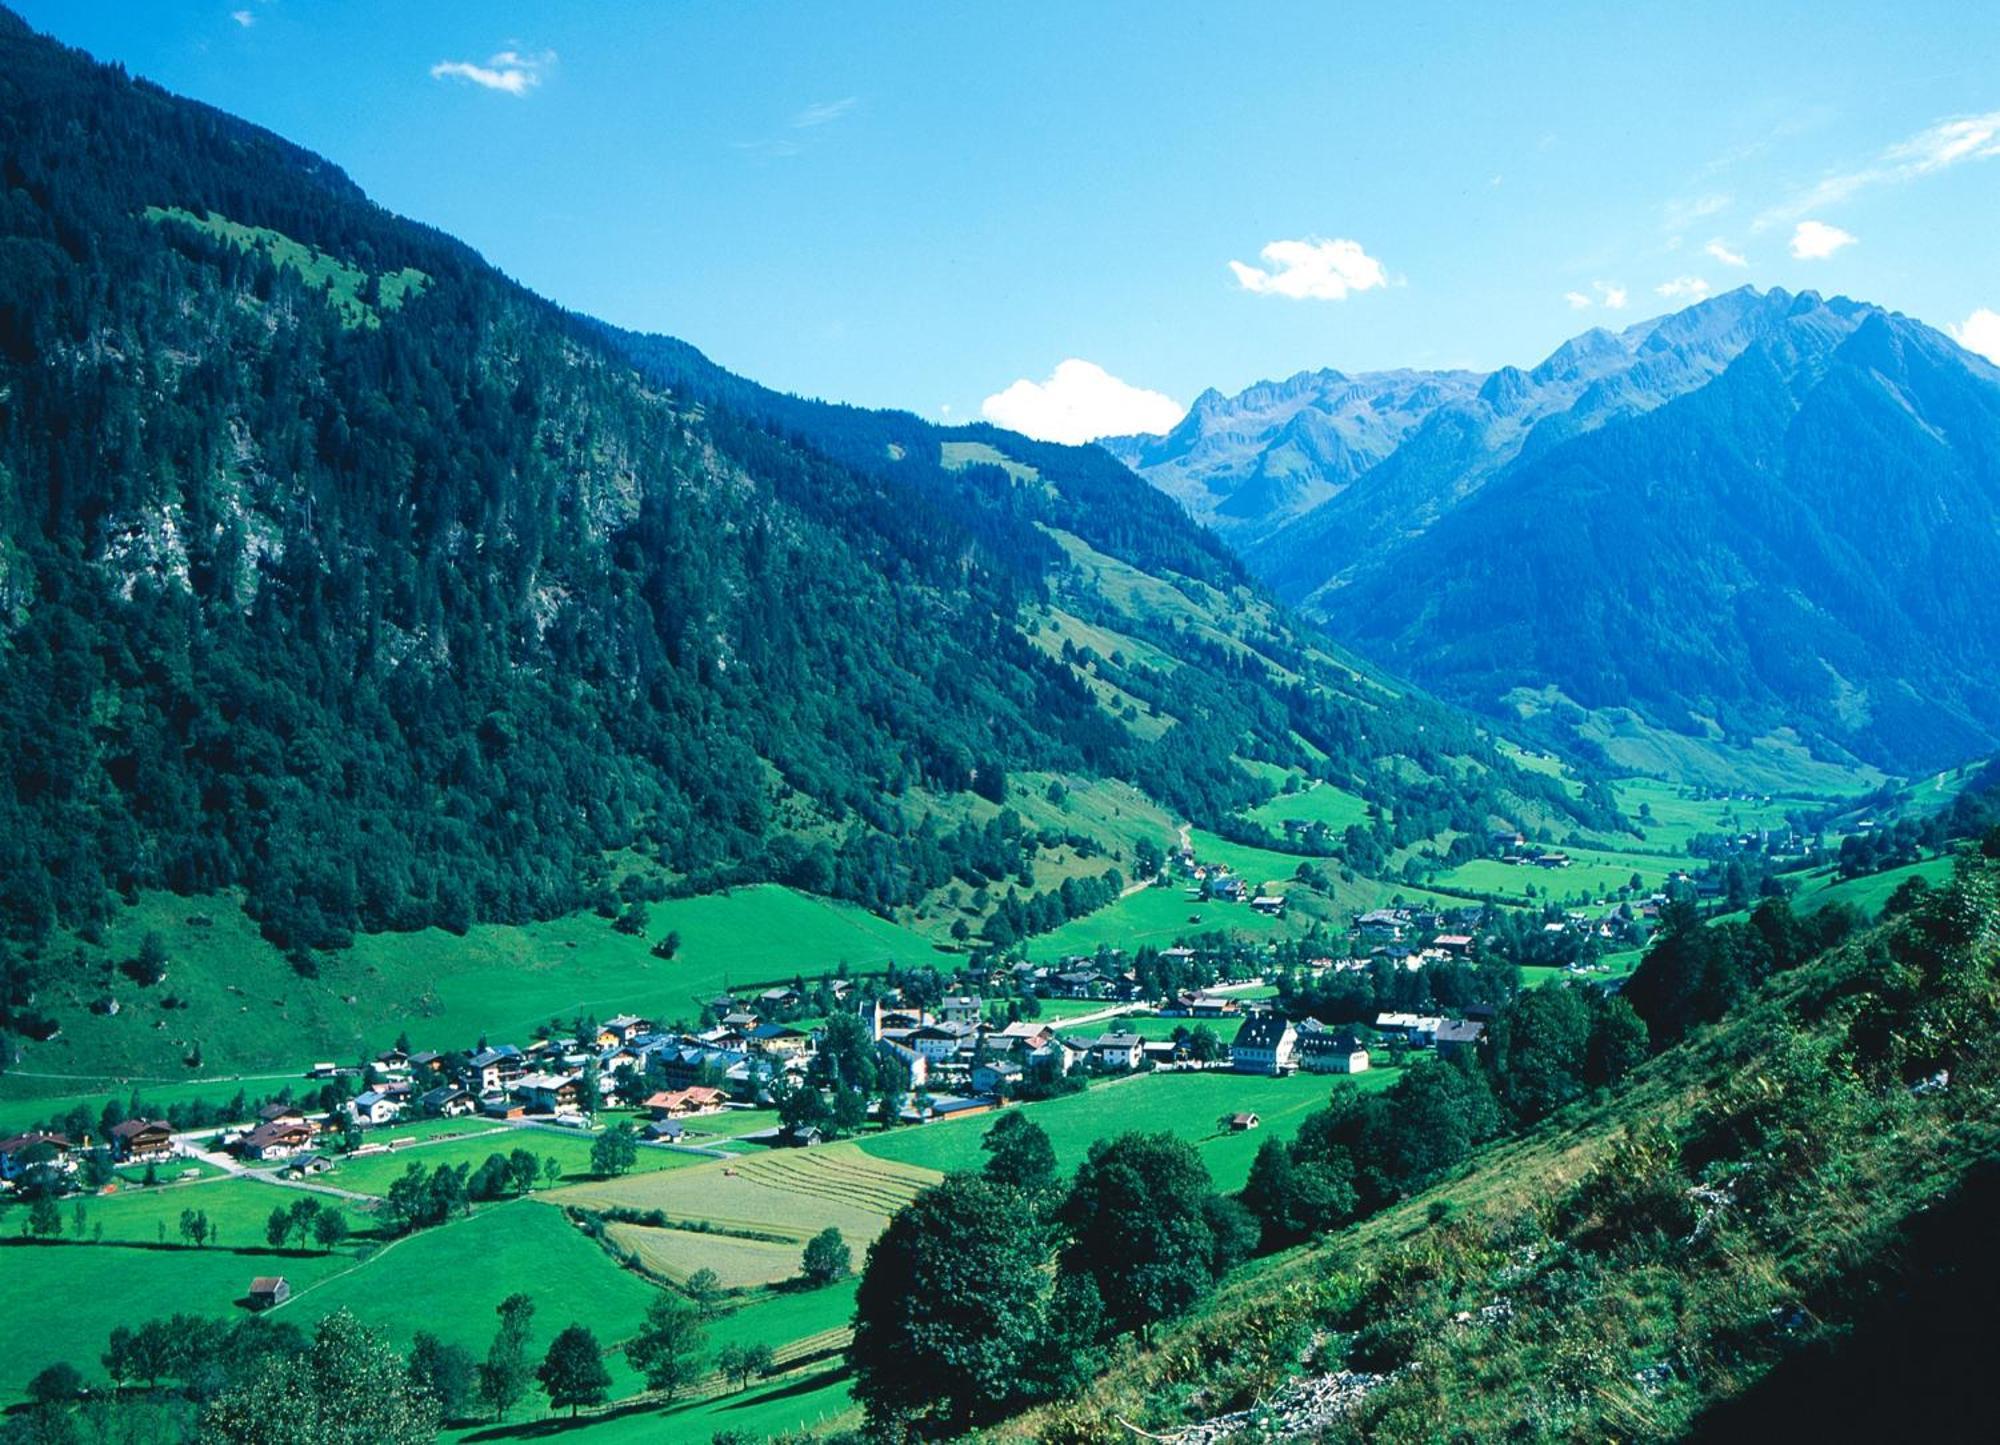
point(374, 1173)
point(1187, 1104)
point(1593, 873)
point(63, 1299)
point(250, 1013)
point(1155, 916)
point(1337, 808)
point(1870, 892)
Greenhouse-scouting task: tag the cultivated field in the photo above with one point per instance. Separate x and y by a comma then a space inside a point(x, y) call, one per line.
point(759, 1210)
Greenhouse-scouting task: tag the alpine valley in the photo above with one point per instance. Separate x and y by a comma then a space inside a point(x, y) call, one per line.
point(550, 890)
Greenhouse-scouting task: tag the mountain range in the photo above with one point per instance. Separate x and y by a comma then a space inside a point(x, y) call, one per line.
point(1766, 511)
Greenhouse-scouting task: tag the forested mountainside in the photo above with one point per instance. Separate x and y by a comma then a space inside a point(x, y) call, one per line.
point(1765, 510)
point(337, 568)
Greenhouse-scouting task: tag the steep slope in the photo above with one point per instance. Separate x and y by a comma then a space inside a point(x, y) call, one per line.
point(1742, 1241)
point(1763, 511)
point(336, 568)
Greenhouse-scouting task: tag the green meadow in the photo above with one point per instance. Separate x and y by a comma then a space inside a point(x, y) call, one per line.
point(1323, 803)
point(249, 1013)
point(1186, 1104)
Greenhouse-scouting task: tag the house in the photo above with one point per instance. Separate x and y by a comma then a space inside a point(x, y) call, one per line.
point(23, 1152)
point(1418, 1030)
point(267, 1290)
point(781, 1039)
point(1383, 923)
point(1322, 1051)
point(549, 1093)
point(664, 1131)
point(1243, 1123)
point(1076, 983)
point(800, 1136)
point(307, 1166)
point(1163, 1051)
point(373, 1107)
point(1020, 1037)
point(1118, 1051)
point(961, 1008)
point(1455, 1034)
point(684, 1103)
point(142, 1139)
point(624, 1028)
point(1225, 887)
point(1552, 860)
point(941, 1043)
point(1265, 1044)
point(448, 1101)
point(279, 1139)
point(1269, 903)
point(996, 1076)
point(1459, 944)
point(427, 1062)
point(497, 1068)
point(392, 1062)
point(777, 998)
point(1207, 1005)
point(282, 1114)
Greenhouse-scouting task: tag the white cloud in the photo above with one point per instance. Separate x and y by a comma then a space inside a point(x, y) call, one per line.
point(1312, 270)
point(1816, 240)
point(1948, 143)
point(243, 18)
point(1080, 402)
point(824, 112)
point(510, 71)
point(1683, 288)
point(1611, 296)
point(1726, 256)
point(1980, 333)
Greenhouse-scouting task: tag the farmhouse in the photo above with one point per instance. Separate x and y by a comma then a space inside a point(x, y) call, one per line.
point(995, 1077)
point(142, 1139)
point(684, 1103)
point(664, 1131)
point(280, 1139)
point(1265, 1044)
point(448, 1101)
point(780, 1039)
point(20, 1153)
point(1455, 1034)
point(1118, 1051)
point(961, 1008)
point(374, 1107)
point(1269, 903)
point(549, 1093)
point(267, 1290)
point(941, 1042)
point(1322, 1051)
point(496, 1068)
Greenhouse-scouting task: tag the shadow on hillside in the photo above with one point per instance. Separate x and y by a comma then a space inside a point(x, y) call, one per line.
point(1918, 1361)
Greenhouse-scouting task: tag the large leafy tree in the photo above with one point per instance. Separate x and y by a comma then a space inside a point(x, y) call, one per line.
point(1019, 1154)
point(1141, 1225)
point(347, 1386)
point(573, 1373)
point(950, 1308)
point(668, 1348)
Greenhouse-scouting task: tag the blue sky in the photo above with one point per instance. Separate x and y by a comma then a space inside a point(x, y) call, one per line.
point(923, 205)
